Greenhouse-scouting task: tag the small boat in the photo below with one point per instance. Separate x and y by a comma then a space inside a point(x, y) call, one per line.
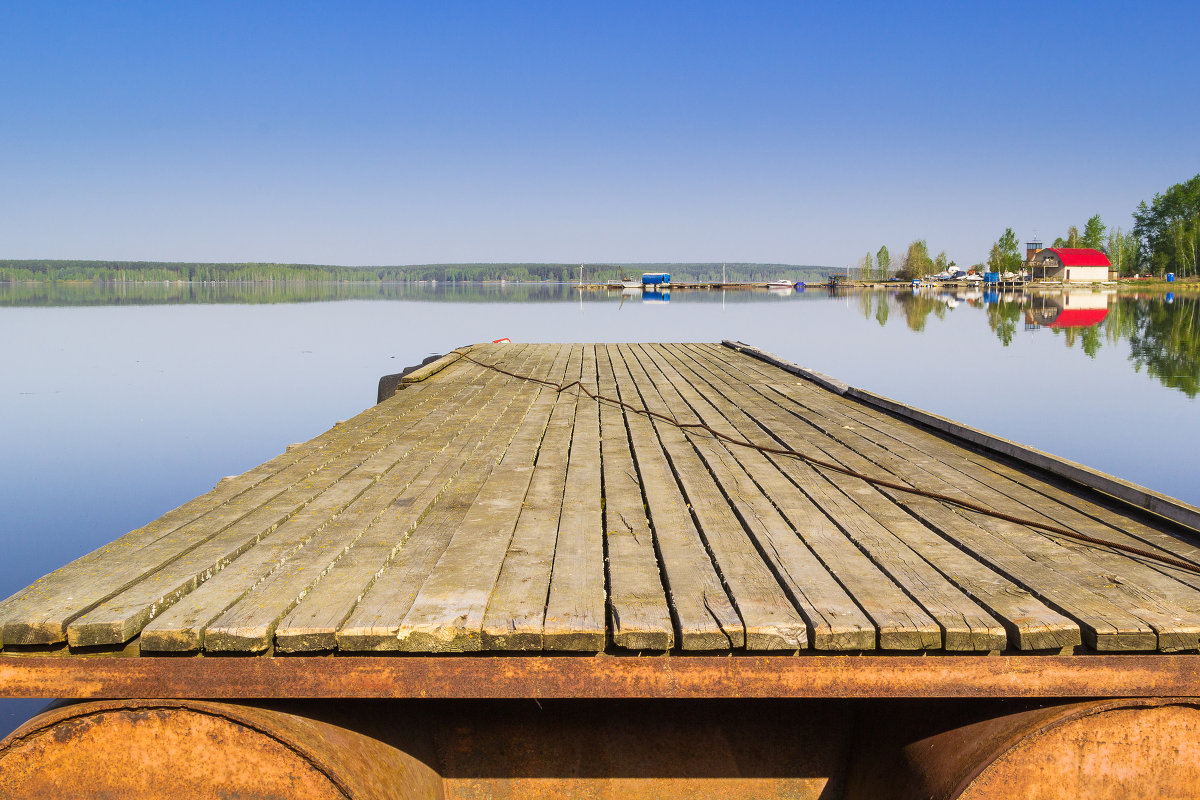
point(624, 285)
point(781, 285)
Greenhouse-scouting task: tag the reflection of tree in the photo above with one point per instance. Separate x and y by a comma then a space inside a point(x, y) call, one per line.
point(865, 303)
point(881, 309)
point(918, 307)
point(1089, 340)
point(1002, 318)
point(103, 294)
point(1165, 339)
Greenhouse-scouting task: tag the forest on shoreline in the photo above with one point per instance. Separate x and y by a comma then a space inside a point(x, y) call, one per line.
point(13, 271)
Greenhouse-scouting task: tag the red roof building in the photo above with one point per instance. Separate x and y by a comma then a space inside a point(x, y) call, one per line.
point(1069, 265)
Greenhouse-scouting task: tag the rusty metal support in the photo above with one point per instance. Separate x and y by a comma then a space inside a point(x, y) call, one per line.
point(157, 748)
point(1131, 749)
point(467, 751)
point(510, 676)
point(941, 749)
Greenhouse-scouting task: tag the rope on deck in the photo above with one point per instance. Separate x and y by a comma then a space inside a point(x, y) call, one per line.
point(789, 452)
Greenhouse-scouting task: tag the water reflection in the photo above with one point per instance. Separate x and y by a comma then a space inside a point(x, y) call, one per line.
point(1162, 331)
point(141, 294)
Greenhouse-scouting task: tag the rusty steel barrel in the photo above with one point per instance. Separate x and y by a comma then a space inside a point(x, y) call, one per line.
point(822, 750)
point(1114, 749)
point(186, 749)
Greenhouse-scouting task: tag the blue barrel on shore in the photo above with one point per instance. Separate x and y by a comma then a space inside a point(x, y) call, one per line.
point(1170, 277)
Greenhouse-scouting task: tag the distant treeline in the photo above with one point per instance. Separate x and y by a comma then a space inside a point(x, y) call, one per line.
point(89, 293)
point(141, 271)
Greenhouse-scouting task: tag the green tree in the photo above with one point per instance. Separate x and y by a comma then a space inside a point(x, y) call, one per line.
point(1124, 251)
point(866, 267)
point(1070, 240)
point(1169, 228)
point(1005, 256)
point(1093, 233)
point(883, 260)
point(916, 261)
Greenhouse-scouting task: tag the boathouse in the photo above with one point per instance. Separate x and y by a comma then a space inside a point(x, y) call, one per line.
point(1069, 264)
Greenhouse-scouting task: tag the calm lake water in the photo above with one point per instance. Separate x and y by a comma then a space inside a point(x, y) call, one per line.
point(119, 404)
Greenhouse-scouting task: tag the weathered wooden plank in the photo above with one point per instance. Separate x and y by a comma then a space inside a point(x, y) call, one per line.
point(702, 608)
point(1065, 508)
point(640, 617)
point(236, 609)
point(447, 613)
point(1105, 625)
point(124, 615)
point(1135, 533)
point(1155, 502)
point(576, 605)
point(1030, 623)
point(375, 622)
point(388, 561)
point(901, 623)
point(39, 614)
point(771, 621)
point(117, 575)
point(517, 608)
point(1165, 603)
point(1054, 574)
point(780, 531)
point(965, 625)
point(434, 367)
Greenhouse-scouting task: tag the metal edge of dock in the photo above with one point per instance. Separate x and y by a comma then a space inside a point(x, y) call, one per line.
point(579, 677)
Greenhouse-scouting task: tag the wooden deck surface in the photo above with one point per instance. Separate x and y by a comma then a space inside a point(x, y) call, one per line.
point(474, 511)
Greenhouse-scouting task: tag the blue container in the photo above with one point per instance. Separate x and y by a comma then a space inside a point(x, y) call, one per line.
point(1170, 277)
point(655, 278)
point(991, 277)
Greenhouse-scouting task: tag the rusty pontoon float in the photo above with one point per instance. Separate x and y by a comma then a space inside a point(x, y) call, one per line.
point(626, 571)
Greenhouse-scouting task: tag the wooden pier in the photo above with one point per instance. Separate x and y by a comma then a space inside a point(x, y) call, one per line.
point(574, 521)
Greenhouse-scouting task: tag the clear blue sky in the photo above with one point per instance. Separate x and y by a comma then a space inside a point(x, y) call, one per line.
point(393, 133)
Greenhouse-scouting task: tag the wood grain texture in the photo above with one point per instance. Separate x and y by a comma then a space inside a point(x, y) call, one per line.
point(639, 613)
point(704, 615)
point(771, 621)
point(477, 511)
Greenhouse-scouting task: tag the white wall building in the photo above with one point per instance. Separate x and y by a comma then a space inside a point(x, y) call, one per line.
point(1069, 265)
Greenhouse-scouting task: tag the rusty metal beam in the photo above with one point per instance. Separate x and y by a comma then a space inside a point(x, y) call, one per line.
point(482, 677)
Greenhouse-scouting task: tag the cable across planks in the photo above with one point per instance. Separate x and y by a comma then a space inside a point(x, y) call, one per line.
point(833, 467)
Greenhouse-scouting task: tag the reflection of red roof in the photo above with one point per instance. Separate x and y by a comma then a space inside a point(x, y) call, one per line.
point(1079, 317)
point(1080, 257)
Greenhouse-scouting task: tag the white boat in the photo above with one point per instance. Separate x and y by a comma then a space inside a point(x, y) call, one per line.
point(781, 285)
